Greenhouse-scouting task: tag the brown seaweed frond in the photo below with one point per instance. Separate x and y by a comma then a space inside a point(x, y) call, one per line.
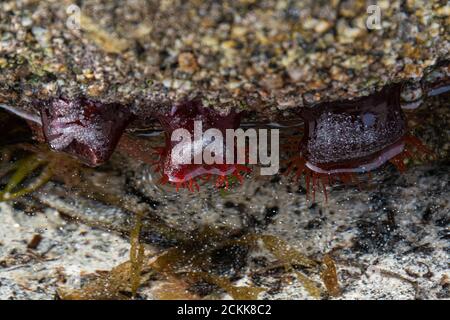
point(22, 170)
point(329, 276)
point(173, 272)
point(36, 165)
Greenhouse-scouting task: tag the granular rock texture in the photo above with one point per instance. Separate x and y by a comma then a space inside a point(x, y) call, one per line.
point(265, 56)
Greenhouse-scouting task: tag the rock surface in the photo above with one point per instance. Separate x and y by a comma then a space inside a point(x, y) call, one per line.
point(266, 56)
point(389, 238)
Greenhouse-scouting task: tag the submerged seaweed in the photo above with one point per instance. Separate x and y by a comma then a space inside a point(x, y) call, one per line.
point(185, 262)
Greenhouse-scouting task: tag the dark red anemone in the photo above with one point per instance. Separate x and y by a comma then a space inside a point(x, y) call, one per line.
point(183, 116)
point(347, 137)
point(86, 129)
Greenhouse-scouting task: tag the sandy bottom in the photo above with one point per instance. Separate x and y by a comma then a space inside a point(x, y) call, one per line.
point(389, 241)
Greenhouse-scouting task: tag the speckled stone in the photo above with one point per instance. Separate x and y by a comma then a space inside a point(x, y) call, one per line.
point(245, 54)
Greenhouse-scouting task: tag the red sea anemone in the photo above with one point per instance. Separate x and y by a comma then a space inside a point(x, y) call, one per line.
point(347, 137)
point(187, 175)
point(86, 129)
